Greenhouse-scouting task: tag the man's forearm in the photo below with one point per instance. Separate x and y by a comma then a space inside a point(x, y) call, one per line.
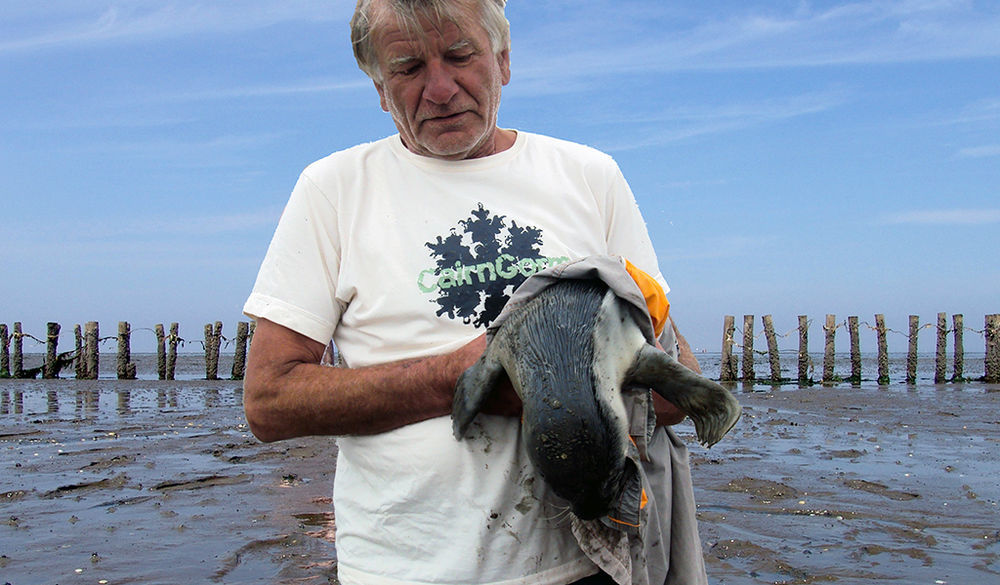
point(684, 354)
point(288, 394)
point(318, 400)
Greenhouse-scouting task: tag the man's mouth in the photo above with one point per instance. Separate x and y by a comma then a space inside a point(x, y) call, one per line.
point(445, 117)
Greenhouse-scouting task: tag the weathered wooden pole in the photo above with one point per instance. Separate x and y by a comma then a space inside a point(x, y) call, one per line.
point(240, 358)
point(774, 359)
point(212, 345)
point(883, 352)
point(92, 357)
point(18, 365)
point(51, 368)
point(81, 369)
point(958, 368)
point(4, 351)
point(161, 352)
point(804, 349)
point(727, 371)
point(172, 354)
point(748, 372)
point(940, 357)
point(992, 349)
point(210, 371)
point(911, 355)
point(852, 329)
point(126, 369)
point(830, 329)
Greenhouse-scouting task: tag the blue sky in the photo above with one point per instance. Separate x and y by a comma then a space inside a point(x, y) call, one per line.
point(791, 158)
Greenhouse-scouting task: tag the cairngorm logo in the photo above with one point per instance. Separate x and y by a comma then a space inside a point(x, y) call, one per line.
point(479, 264)
point(505, 267)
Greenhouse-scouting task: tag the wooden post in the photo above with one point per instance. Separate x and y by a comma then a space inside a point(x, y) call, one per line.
point(958, 371)
point(51, 368)
point(212, 344)
point(240, 358)
point(748, 373)
point(4, 351)
point(92, 358)
point(210, 374)
point(18, 365)
point(883, 352)
point(911, 355)
point(172, 354)
point(81, 369)
point(772, 349)
point(161, 352)
point(804, 349)
point(992, 349)
point(940, 358)
point(727, 371)
point(126, 369)
point(852, 328)
point(830, 329)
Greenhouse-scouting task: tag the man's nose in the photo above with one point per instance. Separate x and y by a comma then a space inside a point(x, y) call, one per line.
point(440, 85)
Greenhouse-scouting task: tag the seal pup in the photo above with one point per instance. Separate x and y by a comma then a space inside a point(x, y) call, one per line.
point(570, 353)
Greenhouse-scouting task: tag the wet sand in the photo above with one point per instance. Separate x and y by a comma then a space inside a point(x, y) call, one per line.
point(161, 482)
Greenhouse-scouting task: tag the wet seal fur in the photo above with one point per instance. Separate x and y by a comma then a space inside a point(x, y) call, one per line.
point(570, 353)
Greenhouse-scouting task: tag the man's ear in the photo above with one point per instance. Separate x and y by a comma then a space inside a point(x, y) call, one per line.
point(503, 59)
point(381, 96)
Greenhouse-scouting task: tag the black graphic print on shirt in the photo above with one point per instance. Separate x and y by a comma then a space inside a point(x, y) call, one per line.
point(479, 264)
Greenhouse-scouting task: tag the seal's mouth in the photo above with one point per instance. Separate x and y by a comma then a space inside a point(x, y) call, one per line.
point(600, 501)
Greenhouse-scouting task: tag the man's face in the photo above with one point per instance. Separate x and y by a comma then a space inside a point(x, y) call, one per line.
point(442, 88)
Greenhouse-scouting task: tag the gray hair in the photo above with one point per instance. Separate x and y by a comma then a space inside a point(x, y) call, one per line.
point(367, 17)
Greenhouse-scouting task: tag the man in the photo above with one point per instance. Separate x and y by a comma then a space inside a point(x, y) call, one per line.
point(403, 251)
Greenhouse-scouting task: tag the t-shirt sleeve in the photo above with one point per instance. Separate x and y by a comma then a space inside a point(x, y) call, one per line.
point(296, 284)
point(627, 235)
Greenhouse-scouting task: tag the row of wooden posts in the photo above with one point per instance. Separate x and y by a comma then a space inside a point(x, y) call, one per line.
point(729, 360)
point(86, 355)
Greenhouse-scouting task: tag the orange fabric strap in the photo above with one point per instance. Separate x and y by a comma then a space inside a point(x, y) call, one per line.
point(656, 299)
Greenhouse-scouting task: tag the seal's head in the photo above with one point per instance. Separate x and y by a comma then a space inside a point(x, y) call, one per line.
point(577, 450)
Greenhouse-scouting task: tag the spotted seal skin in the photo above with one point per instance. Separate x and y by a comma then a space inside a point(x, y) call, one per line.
point(570, 353)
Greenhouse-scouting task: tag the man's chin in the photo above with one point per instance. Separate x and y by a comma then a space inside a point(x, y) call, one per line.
point(455, 147)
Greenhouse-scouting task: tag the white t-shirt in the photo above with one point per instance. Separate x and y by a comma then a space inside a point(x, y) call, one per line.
point(396, 256)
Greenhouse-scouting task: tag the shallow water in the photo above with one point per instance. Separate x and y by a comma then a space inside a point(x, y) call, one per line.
point(155, 482)
point(849, 485)
point(151, 481)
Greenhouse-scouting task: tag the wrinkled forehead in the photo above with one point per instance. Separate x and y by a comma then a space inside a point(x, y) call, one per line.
point(416, 23)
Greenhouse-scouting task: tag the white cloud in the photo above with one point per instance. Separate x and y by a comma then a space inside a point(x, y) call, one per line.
point(944, 217)
point(680, 123)
point(760, 37)
point(989, 150)
point(63, 24)
point(203, 225)
point(274, 90)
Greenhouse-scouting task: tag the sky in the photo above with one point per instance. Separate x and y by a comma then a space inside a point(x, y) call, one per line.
point(790, 158)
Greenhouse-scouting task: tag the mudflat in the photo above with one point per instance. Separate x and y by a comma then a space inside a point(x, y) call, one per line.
point(161, 482)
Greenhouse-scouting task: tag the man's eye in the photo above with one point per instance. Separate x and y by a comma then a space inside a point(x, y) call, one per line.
point(408, 70)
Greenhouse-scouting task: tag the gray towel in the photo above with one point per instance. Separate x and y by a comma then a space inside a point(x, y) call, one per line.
point(651, 535)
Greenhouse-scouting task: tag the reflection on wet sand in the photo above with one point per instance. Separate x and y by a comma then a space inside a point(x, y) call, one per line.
point(162, 482)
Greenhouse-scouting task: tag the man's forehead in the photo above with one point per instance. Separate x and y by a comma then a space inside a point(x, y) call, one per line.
point(394, 34)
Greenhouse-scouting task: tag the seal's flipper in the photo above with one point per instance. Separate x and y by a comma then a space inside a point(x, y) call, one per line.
point(712, 408)
point(474, 386)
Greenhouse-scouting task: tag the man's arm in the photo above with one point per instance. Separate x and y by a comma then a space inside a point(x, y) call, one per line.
point(666, 412)
point(288, 394)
